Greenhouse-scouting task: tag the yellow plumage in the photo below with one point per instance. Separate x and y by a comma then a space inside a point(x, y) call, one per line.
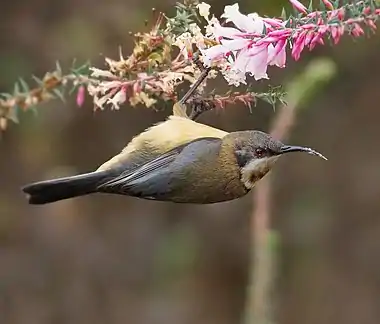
point(163, 137)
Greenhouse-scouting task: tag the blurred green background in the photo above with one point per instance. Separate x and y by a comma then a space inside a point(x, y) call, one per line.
point(109, 259)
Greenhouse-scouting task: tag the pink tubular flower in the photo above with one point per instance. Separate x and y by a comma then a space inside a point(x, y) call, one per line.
point(315, 40)
point(328, 4)
point(273, 22)
point(81, 94)
point(371, 24)
point(280, 33)
point(277, 54)
point(253, 60)
point(298, 45)
point(357, 30)
point(336, 33)
point(298, 6)
point(251, 43)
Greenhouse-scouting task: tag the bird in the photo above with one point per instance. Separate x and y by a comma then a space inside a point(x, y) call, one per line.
point(177, 160)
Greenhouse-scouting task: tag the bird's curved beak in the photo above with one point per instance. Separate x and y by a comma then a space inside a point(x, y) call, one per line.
point(291, 148)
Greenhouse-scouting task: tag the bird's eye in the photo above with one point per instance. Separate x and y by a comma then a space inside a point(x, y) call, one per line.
point(259, 151)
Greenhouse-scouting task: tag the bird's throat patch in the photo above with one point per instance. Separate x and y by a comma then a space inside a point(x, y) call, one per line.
point(256, 169)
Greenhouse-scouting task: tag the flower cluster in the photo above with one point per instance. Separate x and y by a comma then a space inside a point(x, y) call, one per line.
point(247, 44)
point(177, 50)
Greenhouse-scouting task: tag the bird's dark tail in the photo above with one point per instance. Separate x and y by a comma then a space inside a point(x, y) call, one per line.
point(49, 191)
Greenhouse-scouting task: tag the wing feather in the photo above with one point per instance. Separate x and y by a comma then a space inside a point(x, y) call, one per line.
point(153, 177)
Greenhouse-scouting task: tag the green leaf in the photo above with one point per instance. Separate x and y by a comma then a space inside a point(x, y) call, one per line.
point(334, 21)
point(311, 5)
point(24, 85)
point(283, 14)
point(34, 110)
point(273, 96)
point(73, 89)
point(6, 95)
point(82, 69)
point(13, 114)
point(58, 68)
point(373, 5)
point(38, 80)
point(16, 90)
point(59, 94)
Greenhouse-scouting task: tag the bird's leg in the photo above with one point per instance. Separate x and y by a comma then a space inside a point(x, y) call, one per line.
point(180, 106)
point(200, 105)
point(194, 87)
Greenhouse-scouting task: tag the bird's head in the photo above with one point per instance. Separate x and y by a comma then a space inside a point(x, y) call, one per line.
point(256, 152)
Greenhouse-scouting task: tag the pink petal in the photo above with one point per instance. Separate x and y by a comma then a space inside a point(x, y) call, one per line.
point(273, 22)
point(81, 94)
point(328, 4)
point(298, 45)
point(212, 53)
point(228, 32)
point(335, 34)
point(236, 44)
point(315, 40)
point(308, 38)
point(241, 61)
point(277, 54)
point(257, 64)
point(298, 6)
point(280, 33)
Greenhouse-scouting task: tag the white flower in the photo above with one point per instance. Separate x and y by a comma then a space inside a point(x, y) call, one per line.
point(101, 73)
point(210, 28)
point(104, 86)
point(236, 44)
point(233, 77)
point(214, 28)
point(252, 23)
point(119, 98)
point(100, 101)
point(213, 53)
point(184, 43)
point(204, 10)
point(198, 38)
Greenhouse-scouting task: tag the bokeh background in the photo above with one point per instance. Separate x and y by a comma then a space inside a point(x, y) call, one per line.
point(109, 259)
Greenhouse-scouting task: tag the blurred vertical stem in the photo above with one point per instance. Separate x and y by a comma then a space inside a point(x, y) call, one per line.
point(303, 88)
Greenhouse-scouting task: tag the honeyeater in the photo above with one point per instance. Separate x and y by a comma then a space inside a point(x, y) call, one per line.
point(178, 160)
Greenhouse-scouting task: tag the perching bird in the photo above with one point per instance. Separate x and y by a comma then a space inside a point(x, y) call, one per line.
point(178, 160)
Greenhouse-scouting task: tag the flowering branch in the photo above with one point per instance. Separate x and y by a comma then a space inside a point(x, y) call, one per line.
point(181, 49)
point(252, 43)
point(51, 86)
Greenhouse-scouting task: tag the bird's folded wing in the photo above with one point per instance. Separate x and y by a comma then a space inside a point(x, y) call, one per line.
point(155, 173)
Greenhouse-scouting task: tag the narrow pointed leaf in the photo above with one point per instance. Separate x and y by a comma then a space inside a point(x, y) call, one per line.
point(24, 85)
point(38, 80)
point(59, 94)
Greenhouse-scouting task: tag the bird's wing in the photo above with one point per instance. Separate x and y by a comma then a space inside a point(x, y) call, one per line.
point(154, 177)
point(163, 136)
